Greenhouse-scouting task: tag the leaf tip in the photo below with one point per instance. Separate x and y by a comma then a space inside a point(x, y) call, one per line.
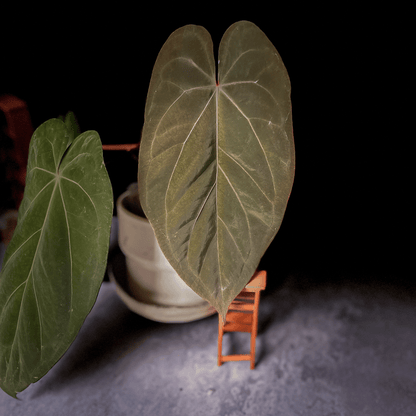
point(10, 392)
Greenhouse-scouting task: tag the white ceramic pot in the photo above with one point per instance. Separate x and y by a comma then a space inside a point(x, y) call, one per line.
point(156, 291)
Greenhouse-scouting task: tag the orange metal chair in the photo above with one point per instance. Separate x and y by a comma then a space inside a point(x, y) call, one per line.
point(242, 316)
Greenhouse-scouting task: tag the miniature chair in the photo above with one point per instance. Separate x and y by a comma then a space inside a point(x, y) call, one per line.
point(242, 316)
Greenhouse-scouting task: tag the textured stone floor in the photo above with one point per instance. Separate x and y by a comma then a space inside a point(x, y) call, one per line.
point(324, 349)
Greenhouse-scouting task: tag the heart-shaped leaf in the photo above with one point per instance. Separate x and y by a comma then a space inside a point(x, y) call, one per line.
point(55, 262)
point(217, 158)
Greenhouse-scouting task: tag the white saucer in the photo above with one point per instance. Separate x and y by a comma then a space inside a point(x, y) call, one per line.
point(160, 313)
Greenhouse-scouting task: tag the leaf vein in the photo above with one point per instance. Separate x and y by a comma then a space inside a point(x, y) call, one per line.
point(73, 160)
point(216, 182)
point(28, 276)
point(192, 62)
point(44, 170)
point(232, 237)
point(34, 199)
point(247, 173)
point(86, 193)
point(69, 242)
point(255, 134)
point(183, 146)
point(202, 207)
point(19, 248)
point(171, 105)
point(237, 59)
point(251, 82)
point(239, 200)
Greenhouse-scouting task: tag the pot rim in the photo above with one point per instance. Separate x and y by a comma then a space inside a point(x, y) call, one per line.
point(125, 210)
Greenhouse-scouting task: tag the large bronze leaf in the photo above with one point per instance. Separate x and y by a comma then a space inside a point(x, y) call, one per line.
point(55, 262)
point(217, 156)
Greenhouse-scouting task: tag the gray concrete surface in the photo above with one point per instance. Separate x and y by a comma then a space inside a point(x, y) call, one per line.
point(323, 349)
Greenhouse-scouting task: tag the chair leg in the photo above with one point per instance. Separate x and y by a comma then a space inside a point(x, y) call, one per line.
point(252, 351)
point(254, 330)
point(220, 336)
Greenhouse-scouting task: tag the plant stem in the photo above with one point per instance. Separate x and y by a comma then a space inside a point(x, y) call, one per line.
point(126, 147)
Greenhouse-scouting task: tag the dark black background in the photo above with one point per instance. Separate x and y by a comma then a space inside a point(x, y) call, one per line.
point(348, 213)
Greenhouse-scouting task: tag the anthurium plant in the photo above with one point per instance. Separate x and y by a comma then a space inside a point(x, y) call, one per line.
point(216, 168)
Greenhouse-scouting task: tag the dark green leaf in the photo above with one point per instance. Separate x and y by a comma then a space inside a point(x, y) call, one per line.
point(217, 159)
point(55, 262)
